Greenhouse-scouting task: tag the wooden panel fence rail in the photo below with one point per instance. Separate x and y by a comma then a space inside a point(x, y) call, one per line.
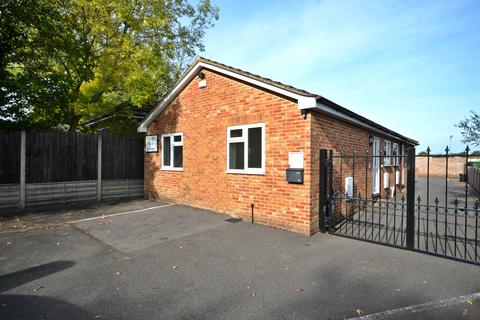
point(60, 168)
point(474, 178)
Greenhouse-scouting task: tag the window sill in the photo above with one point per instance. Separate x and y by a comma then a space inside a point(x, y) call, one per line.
point(250, 172)
point(171, 169)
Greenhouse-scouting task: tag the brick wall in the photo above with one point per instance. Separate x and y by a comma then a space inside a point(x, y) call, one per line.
point(203, 116)
point(329, 133)
point(456, 165)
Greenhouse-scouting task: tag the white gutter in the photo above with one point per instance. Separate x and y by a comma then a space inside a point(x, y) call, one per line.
point(304, 102)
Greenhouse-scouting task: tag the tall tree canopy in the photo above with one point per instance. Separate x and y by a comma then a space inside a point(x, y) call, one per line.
point(471, 128)
point(62, 60)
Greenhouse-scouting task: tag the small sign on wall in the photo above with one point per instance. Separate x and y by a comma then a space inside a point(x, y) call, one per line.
point(295, 160)
point(151, 143)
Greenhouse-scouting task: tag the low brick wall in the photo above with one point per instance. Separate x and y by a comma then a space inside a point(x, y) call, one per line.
point(456, 165)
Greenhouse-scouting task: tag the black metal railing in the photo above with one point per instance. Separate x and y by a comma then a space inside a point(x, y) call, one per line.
point(431, 213)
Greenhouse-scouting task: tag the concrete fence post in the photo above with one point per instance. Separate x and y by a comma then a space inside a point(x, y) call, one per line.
point(23, 151)
point(99, 165)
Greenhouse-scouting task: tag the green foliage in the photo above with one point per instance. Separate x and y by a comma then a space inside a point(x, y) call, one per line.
point(471, 128)
point(67, 59)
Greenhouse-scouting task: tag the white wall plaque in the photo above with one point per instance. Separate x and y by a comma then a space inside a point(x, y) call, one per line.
point(151, 143)
point(295, 160)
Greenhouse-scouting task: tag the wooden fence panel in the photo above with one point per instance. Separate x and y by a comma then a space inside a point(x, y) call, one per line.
point(60, 156)
point(122, 157)
point(9, 156)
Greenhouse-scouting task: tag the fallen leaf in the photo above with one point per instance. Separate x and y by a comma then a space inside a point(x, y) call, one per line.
point(174, 267)
point(359, 312)
point(469, 301)
point(254, 294)
point(59, 243)
point(397, 290)
point(465, 312)
point(38, 289)
point(9, 243)
point(299, 289)
point(118, 273)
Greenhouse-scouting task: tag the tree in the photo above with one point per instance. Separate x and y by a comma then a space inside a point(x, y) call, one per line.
point(471, 128)
point(75, 58)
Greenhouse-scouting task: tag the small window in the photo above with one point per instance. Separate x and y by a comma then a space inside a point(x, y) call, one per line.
point(246, 149)
point(236, 133)
point(388, 153)
point(396, 155)
point(172, 151)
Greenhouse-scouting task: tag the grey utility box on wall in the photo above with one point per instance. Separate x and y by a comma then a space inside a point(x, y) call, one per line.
point(295, 175)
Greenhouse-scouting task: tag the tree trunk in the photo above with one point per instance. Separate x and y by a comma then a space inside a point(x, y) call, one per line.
point(74, 123)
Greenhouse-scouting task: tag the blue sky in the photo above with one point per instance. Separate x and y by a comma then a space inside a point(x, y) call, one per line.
point(413, 66)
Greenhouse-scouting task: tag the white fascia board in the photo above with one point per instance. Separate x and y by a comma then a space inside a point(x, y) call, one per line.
point(339, 115)
point(304, 102)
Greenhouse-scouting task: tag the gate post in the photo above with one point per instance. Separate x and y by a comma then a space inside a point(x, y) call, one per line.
point(322, 208)
point(410, 228)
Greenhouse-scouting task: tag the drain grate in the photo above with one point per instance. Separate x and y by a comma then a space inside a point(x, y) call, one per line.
point(233, 220)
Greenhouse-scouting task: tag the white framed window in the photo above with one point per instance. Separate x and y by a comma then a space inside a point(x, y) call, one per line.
point(396, 155)
point(388, 153)
point(172, 151)
point(246, 149)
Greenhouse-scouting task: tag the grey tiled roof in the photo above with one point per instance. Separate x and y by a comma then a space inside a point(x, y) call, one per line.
point(301, 92)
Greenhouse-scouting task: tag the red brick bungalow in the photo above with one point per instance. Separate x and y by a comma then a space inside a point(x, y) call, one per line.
point(222, 140)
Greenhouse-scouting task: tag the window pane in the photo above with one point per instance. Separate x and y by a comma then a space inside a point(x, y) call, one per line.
point(255, 147)
point(166, 151)
point(236, 133)
point(178, 156)
point(177, 138)
point(236, 154)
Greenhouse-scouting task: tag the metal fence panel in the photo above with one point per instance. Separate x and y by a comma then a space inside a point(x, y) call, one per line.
point(474, 178)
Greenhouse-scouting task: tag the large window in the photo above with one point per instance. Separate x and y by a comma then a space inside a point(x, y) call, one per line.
point(246, 149)
point(396, 155)
point(388, 153)
point(172, 151)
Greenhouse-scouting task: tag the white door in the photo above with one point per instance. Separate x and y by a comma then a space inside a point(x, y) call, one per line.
point(376, 166)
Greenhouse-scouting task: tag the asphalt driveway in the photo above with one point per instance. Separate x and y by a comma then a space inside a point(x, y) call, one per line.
point(150, 260)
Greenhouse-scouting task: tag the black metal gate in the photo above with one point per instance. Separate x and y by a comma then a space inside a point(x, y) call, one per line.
point(392, 206)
